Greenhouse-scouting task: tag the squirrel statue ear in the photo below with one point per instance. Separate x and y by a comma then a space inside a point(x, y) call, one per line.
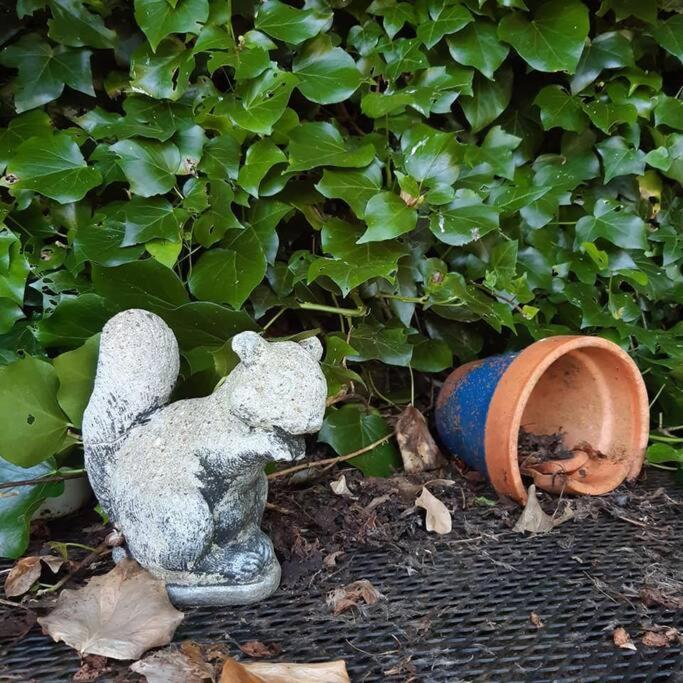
point(313, 346)
point(248, 346)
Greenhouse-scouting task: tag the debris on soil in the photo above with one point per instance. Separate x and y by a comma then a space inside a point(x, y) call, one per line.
point(92, 667)
point(119, 615)
point(418, 448)
point(259, 650)
point(662, 636)
point(622, 639)
point(281, 672)
point(437, 518)
point(536, 448)
point(174, 666)
point(341, 488)
point(356, 594)
point(535, 520)
point(536, 620)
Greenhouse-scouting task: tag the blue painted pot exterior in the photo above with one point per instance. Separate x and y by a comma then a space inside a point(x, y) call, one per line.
point(462, 409)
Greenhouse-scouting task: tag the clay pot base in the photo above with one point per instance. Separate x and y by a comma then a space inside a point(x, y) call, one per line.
point(584, 387)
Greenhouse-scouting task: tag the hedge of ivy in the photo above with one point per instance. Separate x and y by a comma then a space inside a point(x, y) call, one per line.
point(419, 182)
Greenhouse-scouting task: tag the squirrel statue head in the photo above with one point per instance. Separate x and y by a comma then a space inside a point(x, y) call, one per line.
point(277, 384)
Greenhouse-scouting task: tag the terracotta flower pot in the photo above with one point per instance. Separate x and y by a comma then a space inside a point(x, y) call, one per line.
point(585, 388)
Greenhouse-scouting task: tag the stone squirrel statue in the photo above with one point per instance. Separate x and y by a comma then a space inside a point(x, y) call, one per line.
point(185, 482)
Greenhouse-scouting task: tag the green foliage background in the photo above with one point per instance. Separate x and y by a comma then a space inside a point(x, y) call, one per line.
point(420, 182)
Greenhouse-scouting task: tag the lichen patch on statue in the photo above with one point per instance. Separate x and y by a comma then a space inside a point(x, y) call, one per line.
point(185, 482)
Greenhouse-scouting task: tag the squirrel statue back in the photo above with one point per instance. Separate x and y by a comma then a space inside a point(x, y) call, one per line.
point(185, 482)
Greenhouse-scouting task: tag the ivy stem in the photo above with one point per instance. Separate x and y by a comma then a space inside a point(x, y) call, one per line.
point(666, 439)
point(75, 474)
point(359, 312)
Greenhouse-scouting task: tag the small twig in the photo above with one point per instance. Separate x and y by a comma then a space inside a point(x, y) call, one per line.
point(43, 480)
point(329, 461)
point(102, 549)
point(9, 603)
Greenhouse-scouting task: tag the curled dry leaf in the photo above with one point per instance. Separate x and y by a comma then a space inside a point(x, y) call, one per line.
point(331, 559)
point(340, 487)
point(119, 615)
point(536, 620)
point(259, 650)
point(534, 518)
point(418, 449)
point(662, 637)
point(277, 672)
point(22, 576)
point(622, 639)
point(438, 518)
point(361, 592)
point(173, 666)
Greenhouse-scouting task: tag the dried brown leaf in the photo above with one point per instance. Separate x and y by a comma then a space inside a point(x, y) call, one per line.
point(173, 666)
point(361, 592)
point(536, 620)
point(662, 637)
point(277, 672)
point(438, 518)
point(340, 487)
point(535, 520)
point(622, 639)
point(119, 615)
point(53, 562)
point(259, 650)
point(22, 576)
point(418, 449)
point(331, 559)
point(92, 667)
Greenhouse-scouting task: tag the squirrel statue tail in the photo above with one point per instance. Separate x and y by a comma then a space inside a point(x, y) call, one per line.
point(137, 368)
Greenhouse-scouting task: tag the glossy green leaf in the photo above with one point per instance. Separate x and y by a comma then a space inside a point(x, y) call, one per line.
point(466, 219)
point(290, 24)
point(75, 25)
point(355, 187)
point(669, 34)
point(159, 18)
point(559, 109)
point(478, 45)
point(445, 19)
point(612, 222)
point(260, 158)
point(619, 159)
point(607, 51)
point(387, 216)
point(489, 100)
point(149, 167)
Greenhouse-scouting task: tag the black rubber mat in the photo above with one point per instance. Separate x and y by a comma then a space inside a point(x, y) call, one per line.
point(461, 611)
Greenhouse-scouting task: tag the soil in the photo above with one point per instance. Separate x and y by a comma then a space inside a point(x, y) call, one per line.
point(535, 448)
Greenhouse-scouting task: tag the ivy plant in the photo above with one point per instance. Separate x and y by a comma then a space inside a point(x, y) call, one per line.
point(420, 183)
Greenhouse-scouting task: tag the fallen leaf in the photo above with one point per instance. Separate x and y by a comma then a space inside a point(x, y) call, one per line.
point(343, 599)
point(438, 518)
point(341, 488)
point(535, 619)
point(331, 559)
point(22, 576)
point(535, 520)
point(119, 615)
point(15, 626)
point(53, 562)
point(259, 650)
point(653, 596)
point(92, 667)
point(662, 637)
point(622, 639)
point(173, 666)
point(418, 448)
point(280, 672)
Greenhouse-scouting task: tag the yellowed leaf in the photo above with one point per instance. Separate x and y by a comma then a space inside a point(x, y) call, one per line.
point(22, 576)
point(119, 615)
point(173, 666)
point(438, 518)
point(282, 672)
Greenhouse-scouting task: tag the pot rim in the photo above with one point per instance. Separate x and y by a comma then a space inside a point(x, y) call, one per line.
point(510, 399)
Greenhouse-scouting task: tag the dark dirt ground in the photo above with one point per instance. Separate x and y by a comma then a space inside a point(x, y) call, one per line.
point(321, 539)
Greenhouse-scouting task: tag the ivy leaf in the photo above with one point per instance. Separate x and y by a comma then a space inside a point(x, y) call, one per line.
point(74, 25)
point(355, 187)
point(43, 71)
point(259, 104)
point(553, 40)
point(14, 268)
point(387, 216)
point(353, 264)
point(464, 220)
point(76, 373)
point(326, 74)
point(605, 115)
point(289, 24)
point(445, 19)
point(158, 18)
point(389, 344)
point(53, 167)
point(32, 424)
point(101, 243)
point(148, 219)
point(149, 167)
point(613, 223)
point(229, 275)
point(669, 34)
point(403, 56)
point(221, 158)
point(18, 504)
point(619, 159)
point(489, 100)
point(478, 45)
point(350, 428)
point(21, 128)
point(260, 158)
point(321, 144)
point(165, 74)
point(662, 452)
point(431, 155)
point(560, 110)
point(669, 112)
point(607, 51)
